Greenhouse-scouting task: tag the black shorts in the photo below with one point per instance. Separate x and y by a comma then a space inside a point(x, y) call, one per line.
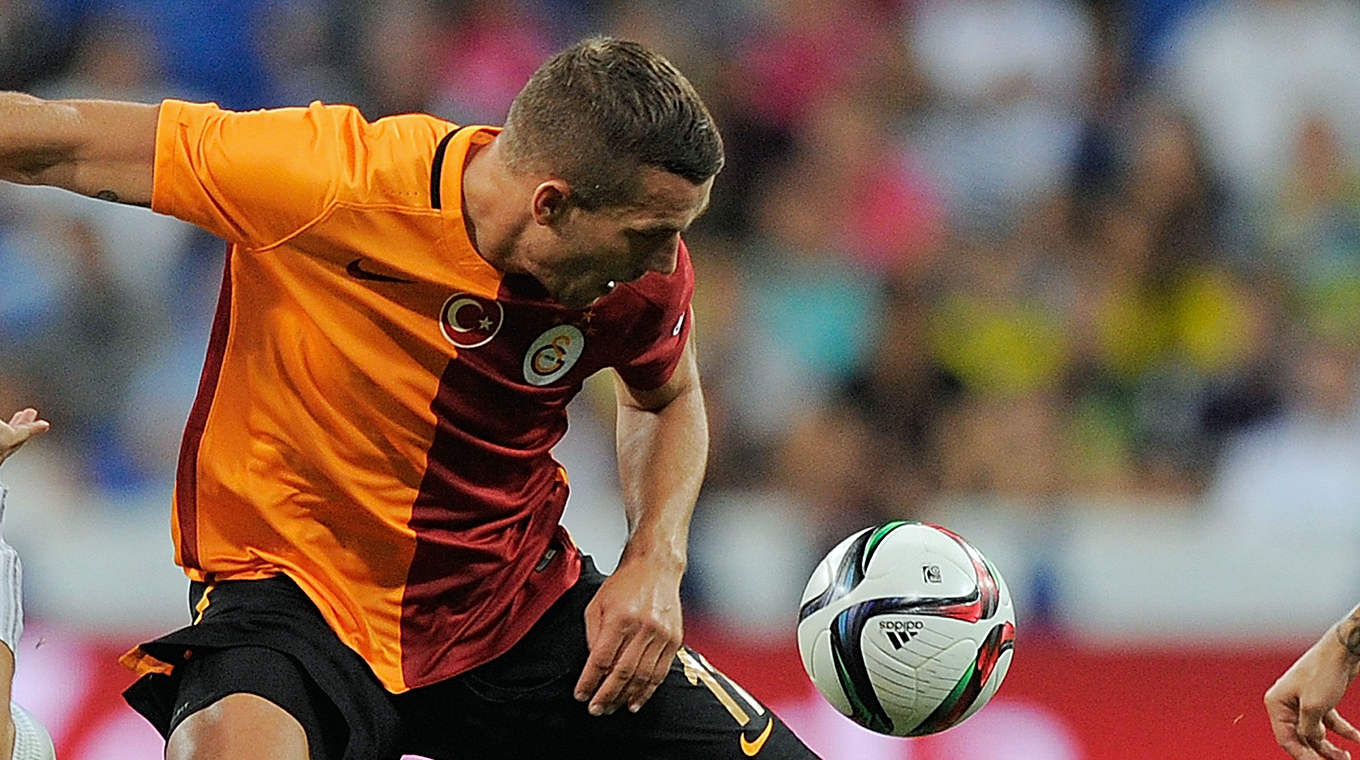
point(267, 638)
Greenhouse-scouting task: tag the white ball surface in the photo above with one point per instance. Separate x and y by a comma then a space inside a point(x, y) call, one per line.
point(906, 628)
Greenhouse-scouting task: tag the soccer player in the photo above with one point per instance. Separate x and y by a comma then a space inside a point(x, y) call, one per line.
point(22, 736)
point(366, 502)
point(1302, 703)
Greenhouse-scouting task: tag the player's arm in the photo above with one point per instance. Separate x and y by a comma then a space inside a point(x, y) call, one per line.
point(100, 148)
point(1302, 703)
point(633, 625)
point(20, 428)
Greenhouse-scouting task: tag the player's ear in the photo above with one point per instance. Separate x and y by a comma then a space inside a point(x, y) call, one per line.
point(551, 199)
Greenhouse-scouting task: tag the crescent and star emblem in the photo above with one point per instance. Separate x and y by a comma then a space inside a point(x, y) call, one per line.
point(469, 321)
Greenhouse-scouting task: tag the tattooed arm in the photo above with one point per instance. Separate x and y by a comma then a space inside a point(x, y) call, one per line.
point(100, 148)
point(1348, 633)
point(1302, 703)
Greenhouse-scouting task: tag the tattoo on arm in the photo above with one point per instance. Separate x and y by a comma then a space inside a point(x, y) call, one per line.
point(111, 196)
point(1348, 633)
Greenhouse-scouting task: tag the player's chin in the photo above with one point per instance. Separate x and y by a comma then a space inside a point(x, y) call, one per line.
point(581, 298)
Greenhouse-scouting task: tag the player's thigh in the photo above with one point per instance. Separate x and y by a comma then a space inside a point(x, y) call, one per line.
point(251, 702)
point(698, 712)
point(237, 727)
point(521, 705)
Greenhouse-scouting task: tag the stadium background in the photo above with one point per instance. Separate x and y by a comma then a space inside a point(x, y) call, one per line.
point(1080, 280)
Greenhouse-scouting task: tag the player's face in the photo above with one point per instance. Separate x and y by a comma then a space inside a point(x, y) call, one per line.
point(590, 250)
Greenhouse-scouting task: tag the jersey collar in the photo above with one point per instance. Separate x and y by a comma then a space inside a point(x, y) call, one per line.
point(446, 194)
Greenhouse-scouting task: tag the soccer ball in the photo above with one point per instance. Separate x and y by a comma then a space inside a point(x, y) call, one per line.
point(906, 628)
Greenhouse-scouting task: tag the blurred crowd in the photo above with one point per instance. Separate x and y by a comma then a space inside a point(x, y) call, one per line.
point(1032, 250)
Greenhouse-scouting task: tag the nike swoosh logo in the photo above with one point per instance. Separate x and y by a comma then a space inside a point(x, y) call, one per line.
point(752, 748)
point(357, 271)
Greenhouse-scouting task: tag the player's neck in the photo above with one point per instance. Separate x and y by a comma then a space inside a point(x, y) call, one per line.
point(490, 192)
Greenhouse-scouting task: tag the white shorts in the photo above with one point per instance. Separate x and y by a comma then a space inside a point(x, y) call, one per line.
point(11, 588)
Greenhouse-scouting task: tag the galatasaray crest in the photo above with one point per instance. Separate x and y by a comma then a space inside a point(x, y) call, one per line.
point(553, 354)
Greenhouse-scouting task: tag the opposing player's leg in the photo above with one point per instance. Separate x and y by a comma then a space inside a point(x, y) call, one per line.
point(260, 674)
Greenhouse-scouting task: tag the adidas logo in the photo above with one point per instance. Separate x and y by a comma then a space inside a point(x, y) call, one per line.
point(899, 639)
point(900, 632)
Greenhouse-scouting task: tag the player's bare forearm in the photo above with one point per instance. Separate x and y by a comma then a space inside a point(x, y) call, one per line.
point(100, 148)
point(634, 625)
point(662, 445)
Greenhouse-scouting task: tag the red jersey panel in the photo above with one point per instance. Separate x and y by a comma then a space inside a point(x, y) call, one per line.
point(379, 404)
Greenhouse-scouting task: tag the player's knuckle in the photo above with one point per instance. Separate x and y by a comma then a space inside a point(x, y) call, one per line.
point(622, 620)
point(636, 619)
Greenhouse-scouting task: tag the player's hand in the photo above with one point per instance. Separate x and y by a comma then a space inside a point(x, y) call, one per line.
point(1302, 703)
point(633, 629)
point(21, 427)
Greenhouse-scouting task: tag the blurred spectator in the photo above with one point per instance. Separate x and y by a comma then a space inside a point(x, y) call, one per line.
point(1147, 25)
point(797, 56)
point(1008, 76)
point(1313, 230)
point(297, 49)
point(497, 46)
point(88, 354)
point(117, 59)
point(807, 301)
point(31, 43)
point(205, 47)
point(903, 394)
point(398, 46)
point(1252, 71)
point(1296, 474)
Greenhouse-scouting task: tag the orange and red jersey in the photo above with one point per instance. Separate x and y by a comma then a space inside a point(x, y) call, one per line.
point(379, 404)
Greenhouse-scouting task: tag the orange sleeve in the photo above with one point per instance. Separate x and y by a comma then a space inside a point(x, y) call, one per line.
point(258, 178)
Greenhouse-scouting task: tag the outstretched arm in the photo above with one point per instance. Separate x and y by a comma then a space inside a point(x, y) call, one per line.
point(1302, 704)
point(633, 625)
point(100, 148)
point(21, 427)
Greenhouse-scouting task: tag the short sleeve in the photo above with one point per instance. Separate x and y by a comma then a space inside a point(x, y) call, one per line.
point(661, 342)
point(257, 178)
